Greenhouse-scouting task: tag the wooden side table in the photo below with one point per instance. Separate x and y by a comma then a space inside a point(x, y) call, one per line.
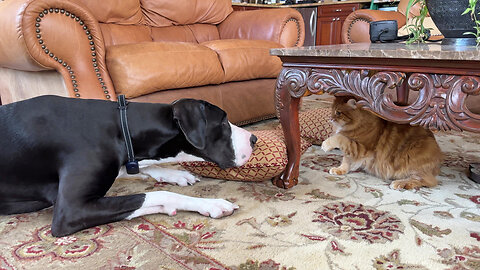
point(442, 76)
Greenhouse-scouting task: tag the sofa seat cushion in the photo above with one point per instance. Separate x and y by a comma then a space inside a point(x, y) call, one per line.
point(246, 59)
point(143, 68)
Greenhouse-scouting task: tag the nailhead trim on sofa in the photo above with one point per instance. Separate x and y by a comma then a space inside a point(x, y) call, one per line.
point(61, 61)
point(350, 26)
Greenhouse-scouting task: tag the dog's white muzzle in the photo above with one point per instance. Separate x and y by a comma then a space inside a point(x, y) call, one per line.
point(242, 145)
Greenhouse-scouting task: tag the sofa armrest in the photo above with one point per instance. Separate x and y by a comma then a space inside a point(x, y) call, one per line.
point(56, 34)
point(356, 27)
point(281, 25)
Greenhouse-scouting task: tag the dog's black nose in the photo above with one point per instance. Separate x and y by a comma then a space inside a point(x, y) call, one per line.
point(253, 140)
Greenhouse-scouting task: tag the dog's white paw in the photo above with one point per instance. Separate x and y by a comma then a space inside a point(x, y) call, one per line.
point(327, 145)
point(215, 208)
point(181, 178)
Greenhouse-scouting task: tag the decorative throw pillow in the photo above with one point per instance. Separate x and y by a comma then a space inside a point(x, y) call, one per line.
point(269, 159)
point(315, 125)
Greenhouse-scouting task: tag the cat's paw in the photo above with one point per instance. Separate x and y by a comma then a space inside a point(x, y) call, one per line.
point(337, 171)
point(406, 184)
point(327, 145)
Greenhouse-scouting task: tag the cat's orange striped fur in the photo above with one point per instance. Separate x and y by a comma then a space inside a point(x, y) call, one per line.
point(409, 155)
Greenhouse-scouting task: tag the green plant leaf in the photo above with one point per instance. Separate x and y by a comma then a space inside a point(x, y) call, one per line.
point(468, 10)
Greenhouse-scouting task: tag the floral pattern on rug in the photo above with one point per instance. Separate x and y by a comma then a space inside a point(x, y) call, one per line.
point(357, 222)
point(354, 221)
point(82, 244)
point(392, 262)
point(461, 258)
point(4, 265)
point(265, 265)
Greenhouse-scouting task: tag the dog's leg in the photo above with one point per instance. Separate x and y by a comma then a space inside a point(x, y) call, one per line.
point(168, 203)
point(70, 217)
point(16, 197)
point(9, 208)
point(149, 168)
point(181, 178)
point(160, 174)
point(81, 203)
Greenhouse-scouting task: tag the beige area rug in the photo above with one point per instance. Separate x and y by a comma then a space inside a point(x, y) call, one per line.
point(325, 222)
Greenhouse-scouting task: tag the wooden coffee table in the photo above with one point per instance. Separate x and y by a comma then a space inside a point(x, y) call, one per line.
point(442, 77)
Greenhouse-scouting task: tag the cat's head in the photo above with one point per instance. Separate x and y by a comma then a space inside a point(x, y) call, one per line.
point(345, 112)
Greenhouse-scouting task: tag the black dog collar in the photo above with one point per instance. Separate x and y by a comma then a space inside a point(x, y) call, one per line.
point(132, 164)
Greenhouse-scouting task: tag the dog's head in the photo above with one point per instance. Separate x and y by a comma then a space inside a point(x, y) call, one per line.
point(211, 135)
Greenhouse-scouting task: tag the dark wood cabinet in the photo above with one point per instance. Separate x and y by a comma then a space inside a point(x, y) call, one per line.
point(330, 21)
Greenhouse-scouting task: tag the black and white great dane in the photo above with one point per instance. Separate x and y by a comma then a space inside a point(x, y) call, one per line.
point(67, 153)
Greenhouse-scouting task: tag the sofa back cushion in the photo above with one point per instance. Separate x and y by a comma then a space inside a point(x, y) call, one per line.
point(158, 13)
point(181, 12)
point(114, 11)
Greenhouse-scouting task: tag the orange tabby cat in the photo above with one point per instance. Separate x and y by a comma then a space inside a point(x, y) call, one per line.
point(407, 154)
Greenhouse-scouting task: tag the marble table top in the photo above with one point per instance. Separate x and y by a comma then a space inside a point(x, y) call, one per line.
point(432, 51)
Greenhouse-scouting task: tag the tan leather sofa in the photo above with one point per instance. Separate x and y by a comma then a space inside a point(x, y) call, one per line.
point(149, 50)
point(356, 27)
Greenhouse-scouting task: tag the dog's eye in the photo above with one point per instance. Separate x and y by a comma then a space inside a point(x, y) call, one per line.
point(337, 113)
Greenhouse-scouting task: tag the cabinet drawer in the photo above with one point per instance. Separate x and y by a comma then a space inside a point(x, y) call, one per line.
point(337, 10)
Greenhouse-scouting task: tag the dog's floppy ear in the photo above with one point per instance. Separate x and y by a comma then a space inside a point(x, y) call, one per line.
point(192, 120)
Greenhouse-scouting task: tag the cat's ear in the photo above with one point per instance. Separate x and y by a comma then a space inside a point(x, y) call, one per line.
point(352, 103)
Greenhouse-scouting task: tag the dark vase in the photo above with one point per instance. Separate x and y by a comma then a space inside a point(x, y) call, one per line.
point(447, 16)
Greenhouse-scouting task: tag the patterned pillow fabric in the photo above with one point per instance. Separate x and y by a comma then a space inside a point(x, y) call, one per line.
point(269, 159)
point(315, 125)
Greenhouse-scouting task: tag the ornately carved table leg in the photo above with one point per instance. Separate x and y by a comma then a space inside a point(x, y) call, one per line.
point(288, 106)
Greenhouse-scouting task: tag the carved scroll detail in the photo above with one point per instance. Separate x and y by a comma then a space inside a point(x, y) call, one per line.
point(456, 107)
point(294, 80)
point(440, 104)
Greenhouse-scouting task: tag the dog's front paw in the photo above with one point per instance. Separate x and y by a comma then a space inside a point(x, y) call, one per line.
point(337, 171)
point(216, 208)
point(327, 145)
point(181, 178)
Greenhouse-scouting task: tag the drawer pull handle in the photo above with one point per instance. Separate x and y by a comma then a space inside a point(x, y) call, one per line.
point(338, 10)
